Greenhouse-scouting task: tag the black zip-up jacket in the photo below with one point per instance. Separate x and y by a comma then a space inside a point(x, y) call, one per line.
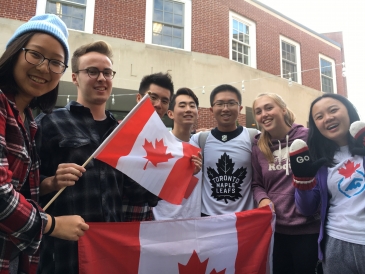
point(69, 135)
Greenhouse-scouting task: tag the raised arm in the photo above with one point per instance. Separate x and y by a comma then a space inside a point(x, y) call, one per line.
point(307, 194)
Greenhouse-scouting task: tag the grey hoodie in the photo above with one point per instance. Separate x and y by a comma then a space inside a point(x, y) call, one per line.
point(274, 181)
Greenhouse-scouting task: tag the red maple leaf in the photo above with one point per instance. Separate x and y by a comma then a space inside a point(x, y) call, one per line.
point(156, 154)
point(195, 266)
point(349, 169)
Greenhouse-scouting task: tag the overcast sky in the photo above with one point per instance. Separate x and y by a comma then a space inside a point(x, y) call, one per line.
point(331, 16)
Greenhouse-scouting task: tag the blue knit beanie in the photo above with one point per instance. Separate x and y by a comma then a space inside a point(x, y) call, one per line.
point(47, 23)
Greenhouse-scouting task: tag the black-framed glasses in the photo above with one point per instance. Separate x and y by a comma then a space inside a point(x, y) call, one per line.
point(36, 58)
point(155, 98)
point(229, 104)
point(95, 72)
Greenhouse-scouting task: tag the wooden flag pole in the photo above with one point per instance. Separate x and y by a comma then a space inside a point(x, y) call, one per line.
point(100, 147)
point(62, 189)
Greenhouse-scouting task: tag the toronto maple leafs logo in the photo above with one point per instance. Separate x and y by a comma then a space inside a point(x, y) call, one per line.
point(356, 185)
point(156, 154)
point(226, 181)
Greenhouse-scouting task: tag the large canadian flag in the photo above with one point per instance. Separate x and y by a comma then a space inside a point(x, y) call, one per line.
point(142, 148)
point(234, 243)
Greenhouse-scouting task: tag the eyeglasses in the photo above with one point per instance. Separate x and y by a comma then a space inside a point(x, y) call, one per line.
point(94, 73)
point(156, 98)
point(36, 58)
point(229, 104)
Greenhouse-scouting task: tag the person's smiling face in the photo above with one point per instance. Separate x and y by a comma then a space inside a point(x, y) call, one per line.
point(332, 120)
point(225, 110)
point(36, 80)
point(93, 91)
point(185, 112)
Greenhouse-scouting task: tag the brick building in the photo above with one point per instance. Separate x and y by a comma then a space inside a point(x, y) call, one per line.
point(202, 44)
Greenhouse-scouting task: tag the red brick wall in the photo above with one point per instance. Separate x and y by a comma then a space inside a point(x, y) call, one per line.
point(210, 34)
point(116, 18)
point(242, 119)
point(18, 9)
point(210, 27)
point(120, 18)
point(206, 119)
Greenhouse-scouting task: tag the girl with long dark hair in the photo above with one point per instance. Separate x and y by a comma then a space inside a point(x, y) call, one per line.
point(330, 176)
point(35, 58)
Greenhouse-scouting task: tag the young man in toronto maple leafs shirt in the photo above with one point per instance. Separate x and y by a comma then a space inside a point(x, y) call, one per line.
point(227, 168)
point(183, 110)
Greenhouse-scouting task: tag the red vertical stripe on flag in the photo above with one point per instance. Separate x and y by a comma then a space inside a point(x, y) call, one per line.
point(254, 234)
point(192, 184)
point(123, 141)
point(98, 255)
point(179, 177)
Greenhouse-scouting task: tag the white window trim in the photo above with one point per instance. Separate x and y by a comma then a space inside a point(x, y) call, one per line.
point(187, 24)
point(333, 71)
point(297, 52)
point(252, 26)
point(89, 16)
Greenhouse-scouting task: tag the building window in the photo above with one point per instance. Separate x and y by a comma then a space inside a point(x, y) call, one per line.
point(168, 23)
point(77, 14)
point(71, 12)
point(290, 60)
point(328, 74)
point(242, 40)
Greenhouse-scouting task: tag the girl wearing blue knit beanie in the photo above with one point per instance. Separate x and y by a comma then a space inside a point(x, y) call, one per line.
point(31, 67)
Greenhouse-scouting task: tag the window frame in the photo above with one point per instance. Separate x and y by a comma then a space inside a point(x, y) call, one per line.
point(252, 35)
point(186, 27)
point(297, 55)
point(333, 66)
point(89, 13)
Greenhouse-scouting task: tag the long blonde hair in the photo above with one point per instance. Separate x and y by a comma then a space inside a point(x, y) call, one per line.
point(264, 141)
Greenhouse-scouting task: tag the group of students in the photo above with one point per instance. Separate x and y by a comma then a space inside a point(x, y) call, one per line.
point(43, 155)
point(317, 193)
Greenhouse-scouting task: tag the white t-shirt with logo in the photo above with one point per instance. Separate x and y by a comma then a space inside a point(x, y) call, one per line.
point(346, 188)
point(189, 208)
point(227, 175)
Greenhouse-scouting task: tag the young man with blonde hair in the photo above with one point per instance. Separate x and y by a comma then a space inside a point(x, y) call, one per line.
point(66, 138)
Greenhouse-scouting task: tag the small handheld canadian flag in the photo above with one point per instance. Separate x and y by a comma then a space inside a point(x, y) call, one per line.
point(142, 148)
point(141, 136)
